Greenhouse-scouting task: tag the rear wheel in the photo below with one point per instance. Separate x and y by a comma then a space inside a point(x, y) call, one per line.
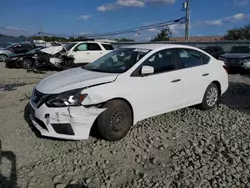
point(26, 63)
point(3, 57)
point(115, 122)
point(211, 97)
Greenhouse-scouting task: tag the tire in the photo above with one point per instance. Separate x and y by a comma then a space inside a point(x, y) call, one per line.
point(208, 101)
point(68, 63)
point(26, 63)
point(117, 130)
point(3, 57)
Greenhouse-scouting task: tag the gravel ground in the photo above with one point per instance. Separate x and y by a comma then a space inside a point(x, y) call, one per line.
point(185, 148)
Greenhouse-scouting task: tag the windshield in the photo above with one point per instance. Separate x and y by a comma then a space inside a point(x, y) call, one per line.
point(117, 61)
point(69, 46)
point(240, 49)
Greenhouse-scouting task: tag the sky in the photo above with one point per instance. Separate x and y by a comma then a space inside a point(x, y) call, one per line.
point(74, 17)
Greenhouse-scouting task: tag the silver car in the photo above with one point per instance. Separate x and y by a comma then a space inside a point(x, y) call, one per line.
point(4, 54)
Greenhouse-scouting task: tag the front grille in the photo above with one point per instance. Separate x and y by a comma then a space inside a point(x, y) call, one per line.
point(233, 61)
point(37, 98)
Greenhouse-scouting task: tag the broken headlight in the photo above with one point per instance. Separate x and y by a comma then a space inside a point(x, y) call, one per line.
point(70, 98)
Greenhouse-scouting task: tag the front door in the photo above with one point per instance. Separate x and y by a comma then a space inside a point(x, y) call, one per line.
point(81, 54)
point(159, 92)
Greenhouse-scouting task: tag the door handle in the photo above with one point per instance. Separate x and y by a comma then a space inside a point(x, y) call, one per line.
point(87, 52)
point(206, 74)
point(177, 80)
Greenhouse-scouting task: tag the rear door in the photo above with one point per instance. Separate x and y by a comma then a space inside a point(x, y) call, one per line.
point(94, 52)
point(196, 75)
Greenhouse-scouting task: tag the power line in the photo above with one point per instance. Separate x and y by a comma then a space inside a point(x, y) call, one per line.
point(142, 28)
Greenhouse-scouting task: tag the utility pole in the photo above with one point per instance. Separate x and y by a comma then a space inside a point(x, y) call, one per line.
point(186, 8)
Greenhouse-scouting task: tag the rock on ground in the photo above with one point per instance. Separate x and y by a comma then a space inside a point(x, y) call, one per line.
point(185, 148)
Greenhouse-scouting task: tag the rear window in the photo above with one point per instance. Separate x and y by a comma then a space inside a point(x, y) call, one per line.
point(108, 47)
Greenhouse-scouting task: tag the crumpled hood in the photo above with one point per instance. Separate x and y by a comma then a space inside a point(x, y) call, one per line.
point(73, 79)
point(236, 55)
point(52, 49)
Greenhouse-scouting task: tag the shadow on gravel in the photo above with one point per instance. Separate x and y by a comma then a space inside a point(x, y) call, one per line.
point(10, 87)
point(8, 176)
point(237, 97)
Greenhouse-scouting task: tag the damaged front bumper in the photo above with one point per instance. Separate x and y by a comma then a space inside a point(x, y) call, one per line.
point(71, 123)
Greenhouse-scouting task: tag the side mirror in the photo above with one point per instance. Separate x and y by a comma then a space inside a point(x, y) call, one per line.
point(75, 50)
point(146, 70)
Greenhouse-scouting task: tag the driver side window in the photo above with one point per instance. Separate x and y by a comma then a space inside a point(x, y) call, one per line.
point(82, 47)
point(162, 61)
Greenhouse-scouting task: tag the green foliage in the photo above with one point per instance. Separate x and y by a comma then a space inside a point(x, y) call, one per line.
point(164, 35)
point(240, 33)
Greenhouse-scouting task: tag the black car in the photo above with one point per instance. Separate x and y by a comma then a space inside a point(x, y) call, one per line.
point(20, 48)
point(23, 60)
point(215, 51)
point(238, 57)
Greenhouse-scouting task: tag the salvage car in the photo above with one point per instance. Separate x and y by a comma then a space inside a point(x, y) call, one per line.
point(23, 60)
point(215, 51)
point(15, 49)
point(238, 57)
point(82, 53)
point(125, 86)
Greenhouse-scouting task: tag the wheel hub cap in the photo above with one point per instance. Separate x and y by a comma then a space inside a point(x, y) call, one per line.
point(212, 96)
point(117, 120)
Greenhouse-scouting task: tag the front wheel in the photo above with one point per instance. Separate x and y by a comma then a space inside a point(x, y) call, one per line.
point(26, 63)
point(3, 57)
point(211, 97)
point(115, 122)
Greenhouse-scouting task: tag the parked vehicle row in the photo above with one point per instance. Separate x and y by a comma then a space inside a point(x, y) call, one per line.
point(60, 56)
point(125, 86)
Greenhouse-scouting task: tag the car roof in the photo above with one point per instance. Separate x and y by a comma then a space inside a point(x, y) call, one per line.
point(159, 46)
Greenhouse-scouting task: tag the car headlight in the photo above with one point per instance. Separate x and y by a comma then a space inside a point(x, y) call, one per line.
point(70, 98)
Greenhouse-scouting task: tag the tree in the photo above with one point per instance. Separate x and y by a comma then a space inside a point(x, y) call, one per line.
point(240, 33)
point(164, 35)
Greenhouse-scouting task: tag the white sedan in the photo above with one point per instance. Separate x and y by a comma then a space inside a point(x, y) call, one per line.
point(125, 86)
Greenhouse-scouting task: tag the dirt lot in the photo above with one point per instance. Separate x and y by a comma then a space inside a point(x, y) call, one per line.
point(185, 148)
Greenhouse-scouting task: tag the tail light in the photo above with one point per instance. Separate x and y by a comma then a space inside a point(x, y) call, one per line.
point(225, 67)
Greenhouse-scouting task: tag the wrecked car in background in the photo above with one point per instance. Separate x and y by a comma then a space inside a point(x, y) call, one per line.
point(80, 53)
point(238, 57)
point(15, 49)
point(123, 87)
point(23, 60)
